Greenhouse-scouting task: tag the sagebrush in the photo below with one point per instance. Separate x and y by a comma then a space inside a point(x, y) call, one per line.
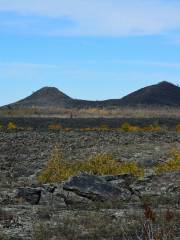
point(59, 169)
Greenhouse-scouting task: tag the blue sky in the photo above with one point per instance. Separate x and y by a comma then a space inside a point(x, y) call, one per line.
point(90, 49)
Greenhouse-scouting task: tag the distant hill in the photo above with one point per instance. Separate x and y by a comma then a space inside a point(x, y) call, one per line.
point(161, 94)
point(45, 97)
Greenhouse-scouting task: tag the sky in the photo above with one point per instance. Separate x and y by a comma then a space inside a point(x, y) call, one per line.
point(89, 49)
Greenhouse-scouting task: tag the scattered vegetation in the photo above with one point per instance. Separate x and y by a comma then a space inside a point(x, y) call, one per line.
point(104, 164)
point(99, 225)
point(59, 169)
point(120, 112)
point(88, 129)
point(67, 129)
point(126, 127)
point(55, 127)
point(178, 127)
point(172, 164)
point(11, 126)
point(104, 127)
point(58, 127)
point(158, 226)
point(152, 128)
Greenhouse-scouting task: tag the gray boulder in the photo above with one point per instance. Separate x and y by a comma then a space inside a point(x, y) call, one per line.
point(96, 188)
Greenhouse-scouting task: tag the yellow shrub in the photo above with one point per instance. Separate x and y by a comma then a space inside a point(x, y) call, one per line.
point(129, 128)
point(67, 129)
point(152, 128)
point(87, 129)
point(55, 127)
point(104, 127)
point(178, 127)
point(125, 126)
point(131, 167)
point(104, 164)
point(11, 126)
point(172, 164)
point(58, 169)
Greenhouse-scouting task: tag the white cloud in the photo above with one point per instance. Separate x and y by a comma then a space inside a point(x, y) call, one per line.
point(103, 17)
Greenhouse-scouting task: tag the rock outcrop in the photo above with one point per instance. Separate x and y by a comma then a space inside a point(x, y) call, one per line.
point(96, 188)
point(31, 195)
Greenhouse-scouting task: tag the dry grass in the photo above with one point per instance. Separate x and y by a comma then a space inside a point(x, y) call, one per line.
point(127, 127)
point(178, 127)
point(120, 112)
point(99, 225)
point(131, 112)
point(58, 169)
point(172, 164)
point(55, 127)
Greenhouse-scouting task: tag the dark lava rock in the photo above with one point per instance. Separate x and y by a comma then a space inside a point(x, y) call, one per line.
point(49, 188)
point(95, 188)
point(126, 178)
point(31, 195)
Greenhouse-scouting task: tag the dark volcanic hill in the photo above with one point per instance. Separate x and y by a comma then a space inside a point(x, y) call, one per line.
point(52, 97)
point(161, 94)
point(45, 97)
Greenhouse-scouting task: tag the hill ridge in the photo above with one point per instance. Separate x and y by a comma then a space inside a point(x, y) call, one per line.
point(162, 93)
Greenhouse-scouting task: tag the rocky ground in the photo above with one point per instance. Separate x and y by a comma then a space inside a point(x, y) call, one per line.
point(85, 207)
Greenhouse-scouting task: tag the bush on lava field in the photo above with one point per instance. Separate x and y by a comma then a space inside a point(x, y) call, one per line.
point(55, 127)
point(11, 126)
point(172, 164)
point(58, 169)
